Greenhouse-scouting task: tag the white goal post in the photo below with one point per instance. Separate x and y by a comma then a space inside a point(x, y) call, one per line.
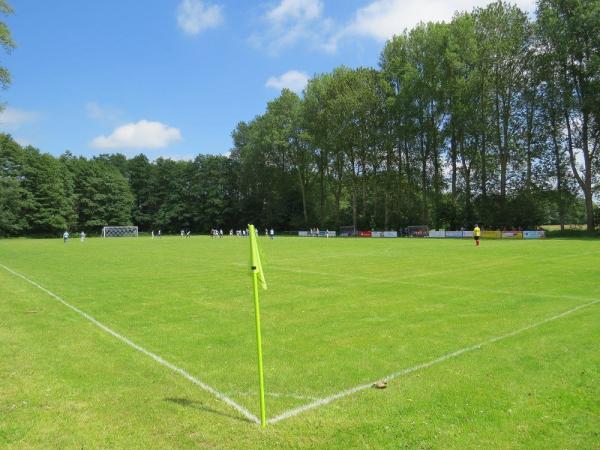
point(122, 231)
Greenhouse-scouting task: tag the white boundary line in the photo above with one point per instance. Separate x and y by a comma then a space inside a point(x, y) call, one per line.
point(276, 395)
point(324, 401)
point(154, 356)
point(318, 402)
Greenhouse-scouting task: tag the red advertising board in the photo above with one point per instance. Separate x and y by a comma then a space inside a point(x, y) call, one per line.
point(364, 233)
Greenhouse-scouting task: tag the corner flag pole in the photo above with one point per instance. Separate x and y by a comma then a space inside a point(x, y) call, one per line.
point(258, 276)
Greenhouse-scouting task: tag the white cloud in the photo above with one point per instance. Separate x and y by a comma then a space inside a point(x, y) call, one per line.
point(101, 113)
point(292, 21)
point(295, 10)
point(382, 19)
point(13, 118)
point(292, 80)
point(142, 134)
point(193, 16)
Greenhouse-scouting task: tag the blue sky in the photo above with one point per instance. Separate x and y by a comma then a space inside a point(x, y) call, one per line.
point(173, 77)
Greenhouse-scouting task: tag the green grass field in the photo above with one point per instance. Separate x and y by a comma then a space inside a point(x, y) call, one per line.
point(339, 313)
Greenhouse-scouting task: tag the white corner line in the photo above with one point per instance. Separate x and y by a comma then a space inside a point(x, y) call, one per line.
point(148, 353)
point(326, 400)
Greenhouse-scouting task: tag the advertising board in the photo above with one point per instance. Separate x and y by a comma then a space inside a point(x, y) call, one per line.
point(437, 233)
point(533, 234)
point(491, 234)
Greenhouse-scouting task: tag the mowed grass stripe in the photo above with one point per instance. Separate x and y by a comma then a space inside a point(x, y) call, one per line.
point(140, 349)
point(325, 401)
point(321, 332)
point(68, 384)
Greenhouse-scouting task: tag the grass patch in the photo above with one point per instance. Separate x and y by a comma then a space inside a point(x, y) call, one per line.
point(338, 313)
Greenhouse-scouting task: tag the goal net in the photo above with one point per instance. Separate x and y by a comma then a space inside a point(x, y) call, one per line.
point(123, 231)
point(417, 230)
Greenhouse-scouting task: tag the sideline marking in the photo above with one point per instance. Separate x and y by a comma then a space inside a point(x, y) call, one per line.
point(276, 395)
point(326, 400)
point(154, 356)
point(319, 402)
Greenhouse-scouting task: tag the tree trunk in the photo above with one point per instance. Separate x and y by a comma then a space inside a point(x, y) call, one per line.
point(483, 157)
point(354, 212)
point(585, 182)
point(423, 181)
point(453, 157)
point(483, 149)
point(530, 111)
point(322, 165)
point(303, 192)
point(559, 173)
point(388, 189)
point(466, 169)
point(502, 130)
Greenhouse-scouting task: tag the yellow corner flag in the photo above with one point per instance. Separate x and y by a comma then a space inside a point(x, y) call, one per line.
point(258, 276)
point(255, 264)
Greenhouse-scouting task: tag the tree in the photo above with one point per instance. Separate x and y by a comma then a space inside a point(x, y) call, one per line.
point(143, 184)
point(101, 194)
point(213, 193)
point(50, 209)
point(504, 35)
point(6, 43)
point(290, 141)
point(15, 200)
point(569, 31)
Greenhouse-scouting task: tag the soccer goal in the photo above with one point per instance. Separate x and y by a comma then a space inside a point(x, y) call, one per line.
point(122, 231)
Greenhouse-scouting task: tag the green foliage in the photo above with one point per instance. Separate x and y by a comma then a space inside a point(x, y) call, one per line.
point(6, 42)
point(50, 207)
point(44, 195)
point(15, 199)
point(101, 193)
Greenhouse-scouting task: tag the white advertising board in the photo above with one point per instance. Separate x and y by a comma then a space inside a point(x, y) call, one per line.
point(437, 233)
point(454, 234)
point(303, 233)
point(533, 234)
point(390, 234)
point(467, 234)
point(377, 234)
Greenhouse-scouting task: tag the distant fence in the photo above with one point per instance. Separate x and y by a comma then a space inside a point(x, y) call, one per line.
point(320, 233)
point(488, 234)
point(450, 234)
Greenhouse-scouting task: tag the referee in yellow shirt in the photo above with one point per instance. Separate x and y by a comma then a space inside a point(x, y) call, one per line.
point(476, 234)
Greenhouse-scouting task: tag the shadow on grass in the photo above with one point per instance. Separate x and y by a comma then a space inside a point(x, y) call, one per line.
point(194, 404)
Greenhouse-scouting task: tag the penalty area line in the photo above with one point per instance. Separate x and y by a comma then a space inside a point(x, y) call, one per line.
point(326, 400)
point(219, 395)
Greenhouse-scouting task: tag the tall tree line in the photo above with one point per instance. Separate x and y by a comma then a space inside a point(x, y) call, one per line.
point(491, 118)
point(44, 195)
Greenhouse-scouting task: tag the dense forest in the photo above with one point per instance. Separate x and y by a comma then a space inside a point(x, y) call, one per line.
point(492, 118)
